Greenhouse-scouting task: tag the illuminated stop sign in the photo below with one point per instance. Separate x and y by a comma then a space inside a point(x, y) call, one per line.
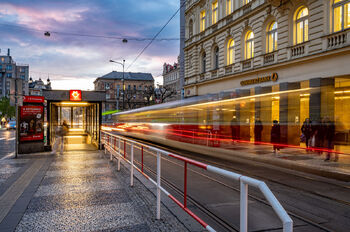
point(75, 95)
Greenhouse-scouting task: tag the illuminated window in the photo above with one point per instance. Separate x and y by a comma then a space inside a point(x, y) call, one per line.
point(203, 62)
point(246, 1)
point(271, 40)
point(216, 58)
point(202, 20)
point(228, 7)
point(302, 25)
point(249, 45)
point(214, 9)
point(341, 15)
point(230, 52)
point(190, 28)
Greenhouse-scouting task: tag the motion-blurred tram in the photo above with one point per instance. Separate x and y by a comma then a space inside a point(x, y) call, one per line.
point(204, 124)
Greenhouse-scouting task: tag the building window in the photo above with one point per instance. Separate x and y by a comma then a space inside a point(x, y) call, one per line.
point(107, 86)
point(228, 7)
point(202, 22)
point(214, 10)
point(216, 58)
point(341, 15)
point(9, 67)
point(246, 1)
point(190, 28)
point(230, 52)
point(302, 25)
point(271, 40)
point(129, 87)
point(22, 77)
point(249, 45)
point(203, 62)
point(134, 87)
point(8, 75)
point(0, 66)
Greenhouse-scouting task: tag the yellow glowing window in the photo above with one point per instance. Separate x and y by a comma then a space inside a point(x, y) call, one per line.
point(271, 40)
point(202, 20)
point(249, 45)
point(214, 8)
point(341, 15)
point(302, 26)
point(228, 7)
point(230, 52)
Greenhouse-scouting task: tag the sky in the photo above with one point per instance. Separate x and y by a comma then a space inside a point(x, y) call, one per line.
point(74, 62)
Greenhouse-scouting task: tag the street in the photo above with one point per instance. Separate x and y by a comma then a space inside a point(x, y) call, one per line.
point(7, 143)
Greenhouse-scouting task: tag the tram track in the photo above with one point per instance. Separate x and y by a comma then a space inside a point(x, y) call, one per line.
point(258, 199)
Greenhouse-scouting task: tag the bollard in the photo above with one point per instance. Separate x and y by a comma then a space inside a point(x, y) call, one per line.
point(158, 185)
point(244, 207)
point(132, 165)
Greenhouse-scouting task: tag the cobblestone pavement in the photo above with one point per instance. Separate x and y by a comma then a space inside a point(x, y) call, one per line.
point(81, 191)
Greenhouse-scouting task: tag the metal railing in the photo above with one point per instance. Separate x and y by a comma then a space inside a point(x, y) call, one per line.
point(113, 143)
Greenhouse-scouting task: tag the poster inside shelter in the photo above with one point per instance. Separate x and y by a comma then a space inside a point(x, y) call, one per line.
point(31, 123)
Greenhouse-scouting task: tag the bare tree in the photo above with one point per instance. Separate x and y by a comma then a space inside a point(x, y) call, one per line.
point(165, 92)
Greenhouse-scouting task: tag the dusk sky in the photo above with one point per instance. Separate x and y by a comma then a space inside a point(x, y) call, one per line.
point(76, 61)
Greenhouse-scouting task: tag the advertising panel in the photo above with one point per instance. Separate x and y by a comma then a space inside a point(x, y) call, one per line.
point(31, 123)
point(75, 95)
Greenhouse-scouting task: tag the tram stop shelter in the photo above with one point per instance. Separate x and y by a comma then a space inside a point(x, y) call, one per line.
point(82, 110)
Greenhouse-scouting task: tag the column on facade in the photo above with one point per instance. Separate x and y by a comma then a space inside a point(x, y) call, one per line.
point(289, 113)
point(263, 111)
point(321, 99)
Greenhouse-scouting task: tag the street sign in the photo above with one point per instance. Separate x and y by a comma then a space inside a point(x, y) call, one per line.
point(33, 99)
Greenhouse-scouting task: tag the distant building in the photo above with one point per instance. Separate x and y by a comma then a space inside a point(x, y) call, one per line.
point(138, 89)
point(171, 80)
point(8, 70)
point(36, 87)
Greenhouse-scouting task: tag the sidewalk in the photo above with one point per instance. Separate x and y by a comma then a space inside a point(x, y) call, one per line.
point(79, 191)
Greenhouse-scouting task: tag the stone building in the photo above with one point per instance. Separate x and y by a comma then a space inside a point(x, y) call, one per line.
point(36, 87)
point(138, 89)
point(10, 70)
point(248, 48)
point(171, 80)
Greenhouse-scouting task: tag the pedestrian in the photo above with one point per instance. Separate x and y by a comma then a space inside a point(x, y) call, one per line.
point(235, 130)
point(329, 136)
point(320, 136)
point(60, 132)
point(275, 136)
point(258, 128)
point(307, 131)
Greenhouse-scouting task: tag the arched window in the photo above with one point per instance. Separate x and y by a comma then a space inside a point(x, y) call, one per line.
point(216, 58)
point(190, 28)
point(249, 45)
point(230, 52)
point(271, 37)
point(302, 25)
point(204, 56)
point(341, 15)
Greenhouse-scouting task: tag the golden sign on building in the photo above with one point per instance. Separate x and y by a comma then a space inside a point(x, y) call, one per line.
point(273, 77)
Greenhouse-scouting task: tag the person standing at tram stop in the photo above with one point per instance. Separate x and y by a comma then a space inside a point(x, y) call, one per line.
point(275, 136)
point(60, 132)
point(329, 136)
point(258, 128)
point(307, 131)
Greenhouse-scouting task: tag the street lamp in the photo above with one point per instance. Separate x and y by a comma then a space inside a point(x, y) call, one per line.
point(112, 61)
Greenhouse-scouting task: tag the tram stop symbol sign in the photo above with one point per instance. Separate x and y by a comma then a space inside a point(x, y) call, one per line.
point(75, 95)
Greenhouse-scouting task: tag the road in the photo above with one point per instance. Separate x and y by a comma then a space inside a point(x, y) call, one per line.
point(7, 143)
point(314, 203)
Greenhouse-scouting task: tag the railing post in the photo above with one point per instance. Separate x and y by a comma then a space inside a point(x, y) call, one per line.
point(119, 155)
point(142, 158)
point(244, 207)
point(158, 185)
point(185, 184)
point(124, 149)
point(111, 147)
point(132, 165)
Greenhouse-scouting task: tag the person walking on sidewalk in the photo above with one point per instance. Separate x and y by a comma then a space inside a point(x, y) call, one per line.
point(306, 130)
point(60, 132)
point(275, 135)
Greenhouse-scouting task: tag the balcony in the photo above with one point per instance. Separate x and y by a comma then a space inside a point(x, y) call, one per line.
point(228, 69)
point(201, 76)
point(269, 58)
point(214, 73)
point(247, 64)
point(336, 40)
point(247, 8)
point(297, 50)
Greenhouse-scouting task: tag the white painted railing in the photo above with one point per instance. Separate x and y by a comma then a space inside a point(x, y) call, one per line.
point(109, 141)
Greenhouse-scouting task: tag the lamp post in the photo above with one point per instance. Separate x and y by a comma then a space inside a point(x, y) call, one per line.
point(122, 64)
